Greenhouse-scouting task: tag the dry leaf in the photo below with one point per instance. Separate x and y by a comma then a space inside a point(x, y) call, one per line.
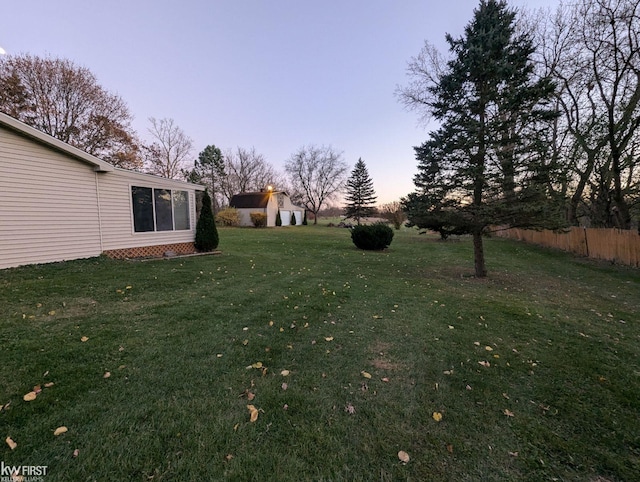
point(403, 456)
point(250, 395)
point(285, 386)
point(513, 454)
point(437, 416)
point(60, 431)
point(508, 413)
point(484, 364)
point(12, 445)
point(30, 396)
point(329, 338)
point(350, 409)
point(76, 452)
point(385, 379)
point(106, 375)
point(253, 412)
point(83, 339)
point(285, 373)
point(228, 457)
point(52, 312)
point(49, 384)
point(245, 342)
point(257, 365)
point(488, 348)
point(366, 374)
point(450, 448)
point(37, 389)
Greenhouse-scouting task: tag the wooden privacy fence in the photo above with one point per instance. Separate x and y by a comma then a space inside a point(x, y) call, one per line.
point(616, 245)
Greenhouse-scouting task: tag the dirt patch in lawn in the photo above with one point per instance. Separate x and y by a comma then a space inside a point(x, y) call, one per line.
point(381, 359)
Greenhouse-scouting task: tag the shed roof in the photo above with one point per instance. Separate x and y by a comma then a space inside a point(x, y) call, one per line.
point(250, 200)
point(25, 130)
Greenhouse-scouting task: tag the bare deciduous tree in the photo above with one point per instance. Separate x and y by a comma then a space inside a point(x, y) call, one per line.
point(592, 49)
point(247, 170)
point(318, 174)
point(65, 101)
point(169, 152)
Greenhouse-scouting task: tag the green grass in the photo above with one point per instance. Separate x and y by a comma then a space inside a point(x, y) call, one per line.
point(178, 335)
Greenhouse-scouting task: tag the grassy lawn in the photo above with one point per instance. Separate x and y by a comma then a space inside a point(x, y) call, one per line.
point(534, 371)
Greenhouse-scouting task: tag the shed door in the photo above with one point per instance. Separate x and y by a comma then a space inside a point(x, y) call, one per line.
point(285, 216)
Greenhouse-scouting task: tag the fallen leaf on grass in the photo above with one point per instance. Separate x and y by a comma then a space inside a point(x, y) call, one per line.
point(60, 431)
point(37, 389)
point(12, 445)
point(484, 364)
point(253, 412)
point(84, 338)
point(284, 373)
point(329, 338)
point(106, 375)
point(29, 397)
point(450, 448)
point(366, 374)
point(437, 416)
point(285, 386)
point(250, 395)
point(403, 456)
point(228, 457)
point(385, 379)
point(76, 452)
point(49, 384)
point(350, 409)
point(488, 348)
point(508, 413)
point(513, 454)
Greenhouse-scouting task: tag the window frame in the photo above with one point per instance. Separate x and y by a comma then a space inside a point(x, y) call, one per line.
point(154, 212)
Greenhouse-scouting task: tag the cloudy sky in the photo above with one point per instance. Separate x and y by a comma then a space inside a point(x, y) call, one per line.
point(270, 74)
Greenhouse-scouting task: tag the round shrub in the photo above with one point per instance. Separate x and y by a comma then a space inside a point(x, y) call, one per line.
point(372, 236)
point(228, 217)
point(258, 219)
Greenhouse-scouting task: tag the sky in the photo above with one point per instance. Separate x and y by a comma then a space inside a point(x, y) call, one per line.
point(271, 74)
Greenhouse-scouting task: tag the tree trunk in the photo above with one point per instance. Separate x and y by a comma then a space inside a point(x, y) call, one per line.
point(478, 255)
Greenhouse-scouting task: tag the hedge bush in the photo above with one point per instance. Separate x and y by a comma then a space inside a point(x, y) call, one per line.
point(374, 237)
point(228, 217)
point(258, 219)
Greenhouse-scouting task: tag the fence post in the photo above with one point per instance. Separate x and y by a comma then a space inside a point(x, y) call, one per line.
point(586, 242)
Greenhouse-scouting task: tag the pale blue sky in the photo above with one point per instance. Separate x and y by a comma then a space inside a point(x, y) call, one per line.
point(272, 74)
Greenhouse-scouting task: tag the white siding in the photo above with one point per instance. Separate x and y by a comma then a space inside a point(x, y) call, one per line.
point(116, 211)
point(48, 204)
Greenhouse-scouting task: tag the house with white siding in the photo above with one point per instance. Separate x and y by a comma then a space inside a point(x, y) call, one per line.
point(59, 203)
point(268, 202)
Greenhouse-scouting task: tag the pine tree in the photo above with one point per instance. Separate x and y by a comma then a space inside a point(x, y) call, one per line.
point(482, 166)
point(206, 231)
point(361, 196)
point(278, 219)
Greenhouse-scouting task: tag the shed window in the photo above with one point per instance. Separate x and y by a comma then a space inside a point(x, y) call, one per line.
point(159, 209)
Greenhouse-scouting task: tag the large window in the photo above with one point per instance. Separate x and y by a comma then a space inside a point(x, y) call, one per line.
point(159, 209)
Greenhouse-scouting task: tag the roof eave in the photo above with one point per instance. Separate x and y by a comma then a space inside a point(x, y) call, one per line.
point(98, 164)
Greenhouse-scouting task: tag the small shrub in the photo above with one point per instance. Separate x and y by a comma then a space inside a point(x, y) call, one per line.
point(228, 217)
point(258, 219)
point(304, 220)
point(372, 236)
point(293, 218)
point(206, 232)
point(278, 219)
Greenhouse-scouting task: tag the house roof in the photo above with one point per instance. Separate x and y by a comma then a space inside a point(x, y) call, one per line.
point(15, 125)
point(250, 200)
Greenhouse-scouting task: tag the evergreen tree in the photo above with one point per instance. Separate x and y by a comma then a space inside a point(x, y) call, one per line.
point(278, 219)
point(361, 196)
point(206, 231)
point(482, 166)
point(208, 170)
point(293, 221)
